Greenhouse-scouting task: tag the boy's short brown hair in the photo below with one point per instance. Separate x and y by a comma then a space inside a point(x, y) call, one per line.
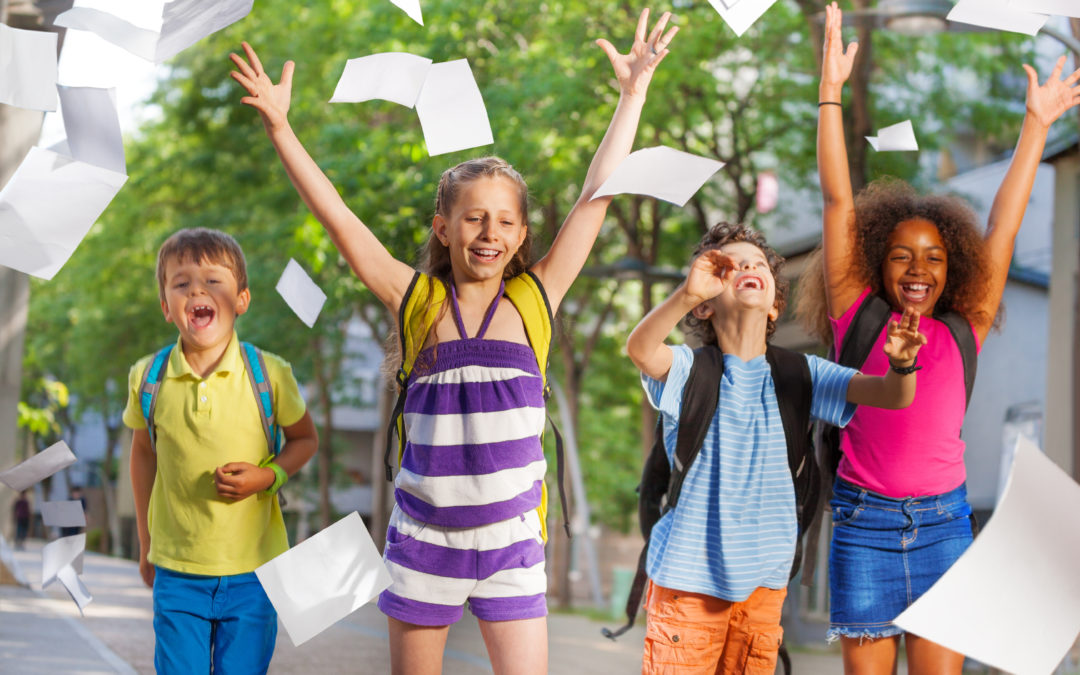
point(201, 244)
point(725, 233)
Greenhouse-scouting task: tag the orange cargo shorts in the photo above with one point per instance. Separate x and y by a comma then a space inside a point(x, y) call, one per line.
point(695, 633)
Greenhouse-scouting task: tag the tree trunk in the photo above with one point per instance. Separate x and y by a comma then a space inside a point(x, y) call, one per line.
point(859, 124)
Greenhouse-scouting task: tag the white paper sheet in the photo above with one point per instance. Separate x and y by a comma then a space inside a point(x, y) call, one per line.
point(1012, 600)
point(898, 137)
point(63, 514)
point(451, 109)
point(324, 578)
point(301, 293)
point(661, 172)
point(1055, 7)
point(74, 586)
point(28, 68)
point(741, 14)
point(38, 230)
point(410, 7)
point(42, 465)
point(390, 76)
point(997, 14)
point(184, 22)
point(93, 127)
point(59, 553)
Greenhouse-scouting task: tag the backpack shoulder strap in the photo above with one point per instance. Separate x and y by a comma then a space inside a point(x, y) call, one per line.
point(416, 316)
point(965, 340)
point(864, 330)
point(701, 394)
point(259, 378)
point(793, 384)
point(149, 387)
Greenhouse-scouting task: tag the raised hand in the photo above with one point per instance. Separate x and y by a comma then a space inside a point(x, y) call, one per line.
point(1046, 103)
point(709, 275)
point(836, 62)
point(271, 100)
point(635, 69)
point(904, 340)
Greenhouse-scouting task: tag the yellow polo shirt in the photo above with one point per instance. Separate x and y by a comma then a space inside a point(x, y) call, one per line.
point(204, 423)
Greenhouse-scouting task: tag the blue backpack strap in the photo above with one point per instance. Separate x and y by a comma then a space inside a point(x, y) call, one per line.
point(148, 390)
point(264, 393)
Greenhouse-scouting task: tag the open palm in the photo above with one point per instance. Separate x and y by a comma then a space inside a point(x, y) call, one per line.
point(1046, 103)
point(635, 69)
point(904, 339)
point(271, 100)
point(836, 63)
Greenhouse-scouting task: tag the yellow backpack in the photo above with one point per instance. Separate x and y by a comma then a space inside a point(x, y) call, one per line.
point(415, 320)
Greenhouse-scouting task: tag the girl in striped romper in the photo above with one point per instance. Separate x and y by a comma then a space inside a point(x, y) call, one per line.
point(465, 528)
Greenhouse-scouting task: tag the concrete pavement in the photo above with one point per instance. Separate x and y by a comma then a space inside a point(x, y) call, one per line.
point(41, 632)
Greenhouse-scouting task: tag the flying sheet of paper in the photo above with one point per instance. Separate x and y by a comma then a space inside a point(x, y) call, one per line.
point(42, 465)
point(38, 232)
point(74, 586)
point(63, 514)
point(741, 14)
point(391, 76)
point(59, 553)
point(1012, 600)
point(451, 109)
point(184, 22)
point(28, 68)
point(410, 7)
point(898, 137)
point(324, 578)
point(301, 293)
point(661, 172)
point(1055, 7)
point(93, 127)
point(999, 14)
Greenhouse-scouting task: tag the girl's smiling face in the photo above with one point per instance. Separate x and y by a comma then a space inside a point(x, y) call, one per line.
point(484, 228)
point(916, 266)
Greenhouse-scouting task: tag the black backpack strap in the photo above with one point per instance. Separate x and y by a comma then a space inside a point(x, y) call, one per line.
point(866, 326)
point(794, 389)
point(965, 340)
point(701, 394)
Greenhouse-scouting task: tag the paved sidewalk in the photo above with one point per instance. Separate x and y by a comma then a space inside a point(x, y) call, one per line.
point(41, 632)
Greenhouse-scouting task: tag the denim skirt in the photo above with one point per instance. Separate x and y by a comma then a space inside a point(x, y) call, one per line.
point(886, 552)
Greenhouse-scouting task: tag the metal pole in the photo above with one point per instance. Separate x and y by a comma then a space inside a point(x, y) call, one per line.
point(582, 523)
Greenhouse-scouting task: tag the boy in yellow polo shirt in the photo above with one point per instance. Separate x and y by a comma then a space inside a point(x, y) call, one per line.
point(204, 485)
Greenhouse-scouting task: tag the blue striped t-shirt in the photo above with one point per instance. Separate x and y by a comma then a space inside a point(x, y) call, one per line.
point(734, 528)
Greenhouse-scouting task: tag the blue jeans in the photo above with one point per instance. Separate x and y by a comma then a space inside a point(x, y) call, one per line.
point(225, 625)
point(886, 553)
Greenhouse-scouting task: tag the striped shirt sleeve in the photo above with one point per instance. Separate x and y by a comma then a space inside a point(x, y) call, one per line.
point(666, 396)
point(829, 394)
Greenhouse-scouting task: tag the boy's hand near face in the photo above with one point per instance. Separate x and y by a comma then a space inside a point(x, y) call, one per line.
point(904, 339)
point(709, 275)
point(239, 480)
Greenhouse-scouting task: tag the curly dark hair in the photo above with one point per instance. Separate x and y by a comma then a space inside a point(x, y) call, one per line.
point(726, 233)
point(879, 208)
point(887, 202)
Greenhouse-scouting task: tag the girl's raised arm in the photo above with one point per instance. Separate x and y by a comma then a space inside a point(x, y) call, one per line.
point(387, 277)
point(1045, 104)
point(841, 288)
point(558, 269)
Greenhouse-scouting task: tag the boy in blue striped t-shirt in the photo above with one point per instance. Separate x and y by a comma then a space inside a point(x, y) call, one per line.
point(719, 562)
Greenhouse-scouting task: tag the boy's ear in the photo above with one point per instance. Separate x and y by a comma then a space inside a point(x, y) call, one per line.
point(702, 312)
point(165, 311)
point(438, 226)
point(774, 313)
point(243, 299)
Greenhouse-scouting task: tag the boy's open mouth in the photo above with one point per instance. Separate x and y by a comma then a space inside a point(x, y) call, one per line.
point(485, 254)
point(915, 292)
point(750, 282)
point(201, 316)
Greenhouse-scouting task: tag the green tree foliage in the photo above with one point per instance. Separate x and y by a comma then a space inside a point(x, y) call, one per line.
point(204, 160)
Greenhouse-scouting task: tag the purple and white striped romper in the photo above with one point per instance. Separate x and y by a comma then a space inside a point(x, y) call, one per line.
point(465, 526)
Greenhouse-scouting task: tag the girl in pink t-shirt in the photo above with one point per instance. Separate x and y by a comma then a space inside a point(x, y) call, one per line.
point(900, 508)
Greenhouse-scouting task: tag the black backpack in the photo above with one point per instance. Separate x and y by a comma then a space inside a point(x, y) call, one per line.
point(661, 483)
point(866, 326)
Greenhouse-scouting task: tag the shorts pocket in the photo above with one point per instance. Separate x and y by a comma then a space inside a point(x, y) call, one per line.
point(764, 646)
point(669, 644)
point(398, 539)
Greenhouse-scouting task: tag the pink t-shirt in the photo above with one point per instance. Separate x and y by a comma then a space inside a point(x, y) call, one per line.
point(916, 451)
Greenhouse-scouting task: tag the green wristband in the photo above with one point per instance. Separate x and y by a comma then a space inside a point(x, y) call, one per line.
point(280, 477)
